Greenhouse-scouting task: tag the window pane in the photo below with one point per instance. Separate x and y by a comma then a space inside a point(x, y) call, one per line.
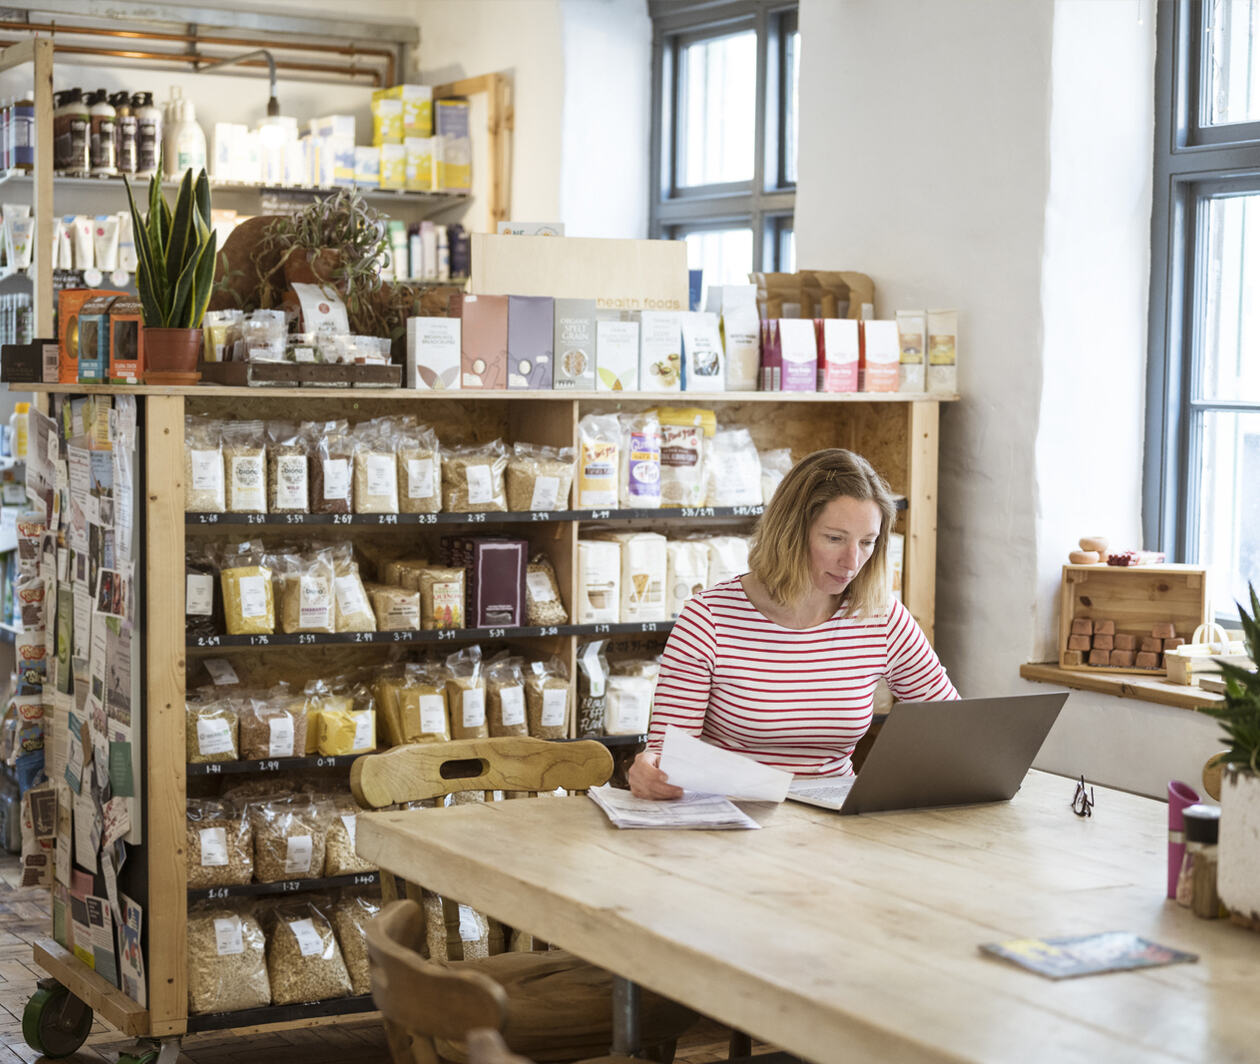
point(1231, 307)
point(790, 119)
point(725, 255)
point(717, 110)
point(1233, 81)
point(1229, 506)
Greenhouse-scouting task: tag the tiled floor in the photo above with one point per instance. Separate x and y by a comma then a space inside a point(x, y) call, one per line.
point(24, 917)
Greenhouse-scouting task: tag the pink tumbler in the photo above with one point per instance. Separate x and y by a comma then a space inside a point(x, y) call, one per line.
point(1180, 795)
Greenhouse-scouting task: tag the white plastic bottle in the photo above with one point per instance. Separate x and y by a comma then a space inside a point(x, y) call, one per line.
point(149, 136)
point(170, 119)
point(188, 143)
point(19, 421)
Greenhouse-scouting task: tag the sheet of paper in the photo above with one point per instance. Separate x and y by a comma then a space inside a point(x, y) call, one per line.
point(86, 834)
point(131, 961)
point(702, 811)
point(62, 861)
point(699, 768)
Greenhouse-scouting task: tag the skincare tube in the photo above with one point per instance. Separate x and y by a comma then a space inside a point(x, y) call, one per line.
point(105, 237)
point(82, 240)
point(11, 213)
point(65, 246)
point(20, 231)
point(58, 229)
point(126, 243)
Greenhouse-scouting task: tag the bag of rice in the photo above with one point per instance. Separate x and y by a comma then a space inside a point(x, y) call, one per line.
point(227, 968)
point(220, 845)
point(454, 932)
point(272, 726)
point(732, 469)
point(304, 961)
point(375, 467)
point(332, 459)
point(245, 466)
point(288, 469)
point(396, 608)
point(354, 613)
point(306, 592)
point(249, 606)
point(422, 705)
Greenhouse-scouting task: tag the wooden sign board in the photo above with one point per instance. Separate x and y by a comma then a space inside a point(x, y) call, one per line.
point(617, 274)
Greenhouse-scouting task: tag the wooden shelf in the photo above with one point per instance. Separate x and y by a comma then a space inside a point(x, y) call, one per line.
point(438, 635)
point(489, 517)
point(306, 1014)
point(339, 394)
point(1121, 685)
point(284, 886)
point(105, 999)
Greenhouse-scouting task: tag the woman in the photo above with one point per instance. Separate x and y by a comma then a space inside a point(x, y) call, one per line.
point(781, 664)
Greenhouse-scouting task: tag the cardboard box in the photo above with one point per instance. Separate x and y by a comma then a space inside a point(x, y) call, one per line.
point(415, 109)
point(912, 339)
point(433, 353)
point(483, 339)
point(393, 166)
point(574, 344)
point(29, 363)
point(418, 164)
point(838, 349)
point(616, 355)
point(69, 302)
point(771, 356)
point(1136, 598)
point(126, 342)
point(798, 346)
point(387, 119)
point(497, 591)
point(880, 358)
point(660, 351)
point(453, 152)
point(942, 349)
point(367, 167)
point(531, 327)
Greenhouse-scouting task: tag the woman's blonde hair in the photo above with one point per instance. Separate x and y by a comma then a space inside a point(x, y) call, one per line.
point(779, 557)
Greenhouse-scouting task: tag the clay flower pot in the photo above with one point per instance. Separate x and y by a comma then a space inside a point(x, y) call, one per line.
point(171, 355)
point(305, 267)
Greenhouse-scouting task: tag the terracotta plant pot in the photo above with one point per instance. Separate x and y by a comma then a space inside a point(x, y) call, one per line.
point(171, 355)
point(305, 267)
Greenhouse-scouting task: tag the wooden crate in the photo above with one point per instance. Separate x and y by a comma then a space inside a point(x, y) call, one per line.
point(1135, 598)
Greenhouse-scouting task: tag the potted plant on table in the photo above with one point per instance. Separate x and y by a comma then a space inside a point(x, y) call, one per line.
point(174, 275)
point(1238, 875)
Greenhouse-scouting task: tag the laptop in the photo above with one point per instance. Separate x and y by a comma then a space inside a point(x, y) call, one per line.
point(931, 754)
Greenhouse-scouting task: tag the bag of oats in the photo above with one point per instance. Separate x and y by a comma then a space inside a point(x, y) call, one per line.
point(505, 696)
point(351, 913)
point(227, 969)
point(547, 699)
point(539, 478)
point(288, 469)
point(472, 478)
point(304, 961)
point(419, 469)
point(466, 694)
point(289, 839)
point(220, 845)
point(205, 487)
point(245, 466)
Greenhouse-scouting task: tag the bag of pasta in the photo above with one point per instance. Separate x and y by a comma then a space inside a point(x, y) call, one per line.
point(227, 969)
point(547, 699)
point(354, 612)
point(419, 469)
point(351, 912)
point(289, 839)
point(220, 847)
point(205, 487)
point(307, 601)
point(466, 694)
point(304, 961)
point(375, 468)
point(505, 696)
point(473, 478)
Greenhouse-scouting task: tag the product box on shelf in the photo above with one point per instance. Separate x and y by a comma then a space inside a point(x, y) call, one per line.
point(616, 354)
point(1134, 599)
point(33, 363)
point(737, 306)
point(433, 353)
point(660, 351)
point(704, 367)
point(126, 342)
point(367, 167)
point(798, 346)
point(70, 302)
point(483, 339)
point(771, 378)
point(454, 146)
point(94, 339)
point(942, 367)
point(497, 590)
point(912, 338)
point(418, 164)
point(837, 354)
point(393, 166)
point(531, 324)
point(574, 357)
point(387, 119)
point(405, 111)
point(880, 356)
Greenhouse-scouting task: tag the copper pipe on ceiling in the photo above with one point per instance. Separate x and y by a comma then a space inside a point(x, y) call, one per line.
point(53, 28)
point(181, 57)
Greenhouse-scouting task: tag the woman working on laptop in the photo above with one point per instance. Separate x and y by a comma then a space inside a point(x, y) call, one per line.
point(781, 664)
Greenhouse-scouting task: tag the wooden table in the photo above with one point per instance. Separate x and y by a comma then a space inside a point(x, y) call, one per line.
point(855, 938)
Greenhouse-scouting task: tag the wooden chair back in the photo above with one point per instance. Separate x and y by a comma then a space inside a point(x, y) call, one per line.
point(512, 763)
point(486, 1046)
point(419, 1000)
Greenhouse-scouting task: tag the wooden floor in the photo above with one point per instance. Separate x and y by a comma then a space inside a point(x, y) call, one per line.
point(24, 917)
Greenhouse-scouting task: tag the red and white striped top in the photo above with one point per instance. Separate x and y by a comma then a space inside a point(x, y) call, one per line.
point(796, 699)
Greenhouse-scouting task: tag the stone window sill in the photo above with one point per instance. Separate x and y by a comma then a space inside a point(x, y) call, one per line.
point(1122, 685)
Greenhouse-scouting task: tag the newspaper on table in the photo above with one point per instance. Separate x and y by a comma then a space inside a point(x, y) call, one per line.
point(704, 811)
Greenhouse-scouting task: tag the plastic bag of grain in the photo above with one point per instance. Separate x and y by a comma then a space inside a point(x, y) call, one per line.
point(344, 731)
point(686, 572)
point(307, 602)
point(245, 466)
point(473, 478)
point(220, 844)
point(452, 931)
point(683, 432)
point(422, 705)
point(543, 604)
point(466, 694)
point(629, 701)
point(205, 488)
point(354, 612)
point(539, 478)
point(211, 731)
point(775, 465)
point(732, 469)
point(304, 961)
point(350, 914)
point(227, 968)
point(249, 606)
point(332, 461)
point(272, 725)
point(289, 838)
point(639, 467)
point(288, 469)
point(203, 608)
point(643, 573)
point(505, 696)
point(396, 608)
point(375, 467)
point(728, 558)
point(419, 469)
point(592, 691)
point(598, 582)
point(397, 571)
point(340, 856)
point(547, 699)
point(599, 449)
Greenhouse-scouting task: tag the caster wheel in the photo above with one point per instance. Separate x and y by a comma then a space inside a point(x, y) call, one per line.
point(55, 1022)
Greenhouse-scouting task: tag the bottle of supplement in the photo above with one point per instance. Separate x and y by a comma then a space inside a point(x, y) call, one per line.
point(18, 425)
point(124, 133)
point(148, 134)
point(70, 134)
point(102, 146)
point(188, 143)
point(24, 133)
